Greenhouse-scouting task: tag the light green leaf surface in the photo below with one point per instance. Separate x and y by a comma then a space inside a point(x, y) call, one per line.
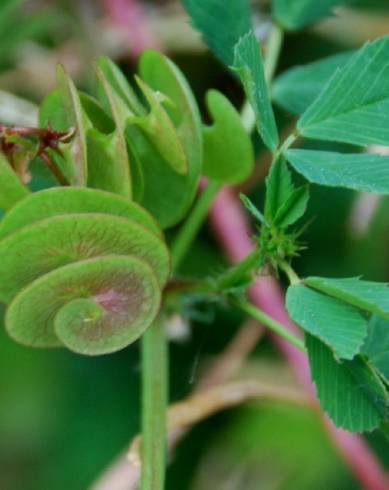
point(363, 172)
point(170, 205)
point(376, 347)
point(221, 24)
point(160, 129)
point(119, 83)
point(297, 88)
point(295, 14)
point(228, 152)
point(108, 160)
point(11, 188)
point(99, 118)
point(354, 105)
point(350, 392)
point(338, 325)
point(71, 200)
point(92, 307)
point(77, 119)
point(366, 295)
point(57, 241)
point(248, 63)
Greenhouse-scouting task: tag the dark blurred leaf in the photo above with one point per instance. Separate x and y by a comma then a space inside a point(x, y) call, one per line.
point(297, 88)
point(295, 14)
point(221, 22)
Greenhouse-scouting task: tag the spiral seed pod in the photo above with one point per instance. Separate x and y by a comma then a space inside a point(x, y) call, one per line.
point(81, 268)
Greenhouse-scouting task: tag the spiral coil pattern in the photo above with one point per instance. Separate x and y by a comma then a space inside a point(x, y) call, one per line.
point(81, 268)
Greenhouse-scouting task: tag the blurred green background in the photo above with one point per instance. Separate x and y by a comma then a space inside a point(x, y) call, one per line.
point(63, 417)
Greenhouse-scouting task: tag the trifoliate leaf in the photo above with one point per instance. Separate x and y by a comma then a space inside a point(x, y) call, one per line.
point(350, 392)
point(339, 325)
point(354, 105)
point(366, 295)
point(361, 172)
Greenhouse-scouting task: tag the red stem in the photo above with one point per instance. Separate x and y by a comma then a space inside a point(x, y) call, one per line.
point(230, 225)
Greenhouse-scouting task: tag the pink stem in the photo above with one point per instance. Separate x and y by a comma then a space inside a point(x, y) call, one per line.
point(128, 17)
point(231, 227)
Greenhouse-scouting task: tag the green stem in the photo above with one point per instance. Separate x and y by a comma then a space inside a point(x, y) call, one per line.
point(193, 223)
point(271, 324)
point(292, 276)
point(273, 50)
point(246, 266)
point(154, 406)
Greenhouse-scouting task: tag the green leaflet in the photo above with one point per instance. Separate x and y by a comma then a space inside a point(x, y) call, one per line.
point(71, 200)
point(119, 83)
point(77, 119)
point(61, 109)
point(228, 152)
point(221, 23)
point(92, 307)
point(249, 64)
point(160, 129)
point(354, 105)
point(96, 114)
point(361, 172)
point(108, 160)
point(349, 391)
point(279, 187)
point(295, 14)
point(376, 347)
point(253, 210)
point(64, 239)
point(284, 203)
point(337, 324)
point(297, 88)
point(366, 295)
point(293, 208)
point(170, 205)
point(12, 190)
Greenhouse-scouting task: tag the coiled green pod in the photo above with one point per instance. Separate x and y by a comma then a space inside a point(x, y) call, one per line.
point(81, 268)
